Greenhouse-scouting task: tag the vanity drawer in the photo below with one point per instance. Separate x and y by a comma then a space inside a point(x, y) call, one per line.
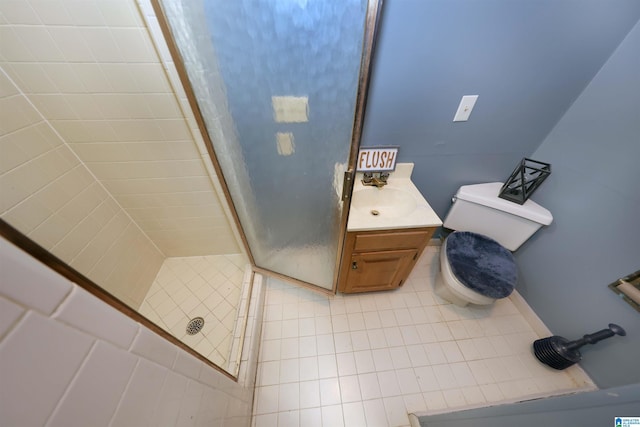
point(392, 240)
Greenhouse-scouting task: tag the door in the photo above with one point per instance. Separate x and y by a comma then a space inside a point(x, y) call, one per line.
point(279, 89)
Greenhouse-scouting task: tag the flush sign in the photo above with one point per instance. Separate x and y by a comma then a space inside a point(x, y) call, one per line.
point(377, 159)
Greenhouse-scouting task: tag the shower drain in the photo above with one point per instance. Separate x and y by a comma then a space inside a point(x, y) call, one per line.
point(195, 325)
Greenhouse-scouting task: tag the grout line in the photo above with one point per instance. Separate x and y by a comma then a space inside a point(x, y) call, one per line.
point(129, 381)
point(68, 145)
point(16, 322)
point(507, 312)
point(74, 379)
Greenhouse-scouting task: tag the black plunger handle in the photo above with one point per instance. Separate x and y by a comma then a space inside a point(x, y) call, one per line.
point(597, 336)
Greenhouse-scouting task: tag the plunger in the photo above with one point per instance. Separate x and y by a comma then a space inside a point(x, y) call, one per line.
point(560, 353)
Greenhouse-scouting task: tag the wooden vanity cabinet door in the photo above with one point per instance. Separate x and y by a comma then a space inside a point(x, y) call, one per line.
point(382, 259)
point(378, 271)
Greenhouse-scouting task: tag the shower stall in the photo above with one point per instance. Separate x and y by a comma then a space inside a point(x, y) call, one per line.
point(178, 146)
point(277, 85)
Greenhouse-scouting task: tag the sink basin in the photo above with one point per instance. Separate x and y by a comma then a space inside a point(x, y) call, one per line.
point(397, 205)
point(383, 202)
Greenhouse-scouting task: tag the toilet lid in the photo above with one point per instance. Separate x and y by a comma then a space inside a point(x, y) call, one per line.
point(482, 264)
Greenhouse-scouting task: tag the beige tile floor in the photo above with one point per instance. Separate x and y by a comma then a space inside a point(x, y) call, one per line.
point(204, 286)
point(370, 359)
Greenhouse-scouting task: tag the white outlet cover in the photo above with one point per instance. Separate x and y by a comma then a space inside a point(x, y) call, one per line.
point(465, 108)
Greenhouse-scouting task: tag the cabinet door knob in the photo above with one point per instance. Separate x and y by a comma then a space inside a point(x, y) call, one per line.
point(354, 265)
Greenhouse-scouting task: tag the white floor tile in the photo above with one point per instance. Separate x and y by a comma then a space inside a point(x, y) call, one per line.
point(327, 366)
point(388, 384)
point(369, 386)
point(323, 325)
point(324, 344)
point(426, 379)
point(434, 400)
point(393, 336)
point(346, 364)
point(417, 355)
point(374, 412)
point(187, 287)
point(269, 373)
point(307, 327)
point(414, 403)
point(290, 348)
point(360, 340)
point(396, 411)
point(372, 320)
point(407, 381)
point(356, 321)
point(309, 394)
point(473, 395)
point(354, 414)
point(350, 389)
point(329, 391)
point(266, 420)
point(454, 398)
point(308, 368)
point(463, 375)
point(369, 359)
point(342, 342)
point(364, 361)
point(382, 359)
point(270, 350)
point(267, 399)
point(332, 416)
point(452, 352)
point(400, 357)
point(307, 346)
point(311, 417)
point(289, 419)
point(289, 370)
point(289, 397)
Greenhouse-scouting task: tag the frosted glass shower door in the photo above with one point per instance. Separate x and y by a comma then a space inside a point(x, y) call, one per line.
point(276, 83)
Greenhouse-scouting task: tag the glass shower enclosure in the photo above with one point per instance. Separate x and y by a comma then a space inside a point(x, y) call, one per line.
point(276, 84)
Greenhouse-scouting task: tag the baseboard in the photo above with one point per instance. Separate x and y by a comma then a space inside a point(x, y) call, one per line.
point(577, 374)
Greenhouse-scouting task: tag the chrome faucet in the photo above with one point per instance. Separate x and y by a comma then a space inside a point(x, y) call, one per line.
point(375, 181)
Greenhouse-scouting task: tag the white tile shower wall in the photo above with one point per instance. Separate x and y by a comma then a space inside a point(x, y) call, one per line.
point(212, 101)
point(60, 365)
point(94, 72)
point(50, 196)
point(223, 115)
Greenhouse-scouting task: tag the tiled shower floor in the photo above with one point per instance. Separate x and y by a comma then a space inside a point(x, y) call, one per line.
point(369, 359)
point(204, 286)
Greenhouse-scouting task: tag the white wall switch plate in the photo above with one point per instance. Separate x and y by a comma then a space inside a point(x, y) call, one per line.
point(465, 108)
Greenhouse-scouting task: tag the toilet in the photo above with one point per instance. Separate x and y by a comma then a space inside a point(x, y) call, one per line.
point(476, 261)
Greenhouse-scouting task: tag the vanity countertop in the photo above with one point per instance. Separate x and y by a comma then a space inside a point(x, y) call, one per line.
point(397, 205)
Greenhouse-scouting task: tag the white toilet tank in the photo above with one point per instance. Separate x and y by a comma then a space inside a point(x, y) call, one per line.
point(478, 208)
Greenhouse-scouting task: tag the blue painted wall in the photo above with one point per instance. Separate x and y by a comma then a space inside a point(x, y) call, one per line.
point(530, 62)
point(594, 195)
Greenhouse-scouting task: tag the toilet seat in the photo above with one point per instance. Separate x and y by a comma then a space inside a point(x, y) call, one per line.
point(449, 287)
point(481, 264)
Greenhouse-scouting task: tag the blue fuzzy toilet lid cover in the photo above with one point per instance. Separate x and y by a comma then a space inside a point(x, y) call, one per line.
point(482, 264)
